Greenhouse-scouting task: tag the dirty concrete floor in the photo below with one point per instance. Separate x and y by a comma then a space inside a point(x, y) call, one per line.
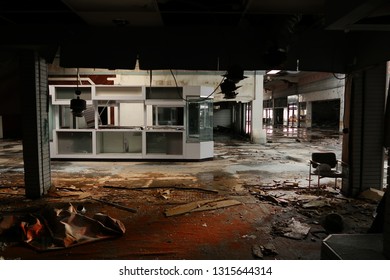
point(270, 181)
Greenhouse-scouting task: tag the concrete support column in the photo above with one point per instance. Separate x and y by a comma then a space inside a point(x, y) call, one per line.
point(386, 226)
point(258, 135)
point(366, 134)
point(309, 114)
point(36, 155)
point(341, 116)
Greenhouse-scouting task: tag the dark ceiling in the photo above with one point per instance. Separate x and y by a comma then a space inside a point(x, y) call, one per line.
point(310, 35)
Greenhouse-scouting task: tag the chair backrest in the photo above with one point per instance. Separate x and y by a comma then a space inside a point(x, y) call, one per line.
point(328, 158)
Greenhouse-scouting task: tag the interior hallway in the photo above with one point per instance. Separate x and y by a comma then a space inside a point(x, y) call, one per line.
point(269, 182)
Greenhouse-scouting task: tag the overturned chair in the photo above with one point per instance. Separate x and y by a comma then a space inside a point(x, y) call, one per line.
point(325, 165)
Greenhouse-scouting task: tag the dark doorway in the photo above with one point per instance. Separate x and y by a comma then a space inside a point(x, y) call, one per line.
point(326, 114)
point(279, 116)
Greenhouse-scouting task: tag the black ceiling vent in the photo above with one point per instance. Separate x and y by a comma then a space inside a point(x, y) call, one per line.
point(229, 85)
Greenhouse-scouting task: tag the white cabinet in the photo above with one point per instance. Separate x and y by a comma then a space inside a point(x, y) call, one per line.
point(133, 122)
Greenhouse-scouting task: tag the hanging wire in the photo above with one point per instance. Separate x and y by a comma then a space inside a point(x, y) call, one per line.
point(78, 78)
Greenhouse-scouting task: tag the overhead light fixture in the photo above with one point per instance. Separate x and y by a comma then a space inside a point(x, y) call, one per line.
point(78, 105)
point(273, 72)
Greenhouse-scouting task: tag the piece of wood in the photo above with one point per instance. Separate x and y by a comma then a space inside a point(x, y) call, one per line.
point(162, 187)
point(115, 205)
point(85, 195)
point(217, 205)
point(181, 209)
point(201, 205)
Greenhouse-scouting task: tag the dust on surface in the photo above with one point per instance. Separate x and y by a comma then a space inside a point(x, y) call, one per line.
point(270, 181)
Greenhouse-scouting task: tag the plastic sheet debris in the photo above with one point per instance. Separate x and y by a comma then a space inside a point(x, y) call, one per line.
point(58, 228)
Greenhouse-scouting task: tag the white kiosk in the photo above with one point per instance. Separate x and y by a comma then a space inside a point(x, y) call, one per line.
point(132, 122)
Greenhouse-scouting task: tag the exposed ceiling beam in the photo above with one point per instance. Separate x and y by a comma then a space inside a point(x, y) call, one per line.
point(342, 15)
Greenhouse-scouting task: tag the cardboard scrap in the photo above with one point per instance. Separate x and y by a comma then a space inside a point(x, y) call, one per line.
point(201, 205)
point(372, 194)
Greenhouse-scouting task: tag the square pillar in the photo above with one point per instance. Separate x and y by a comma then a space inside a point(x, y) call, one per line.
point(36, 155)
point(258, 134)
point(364, 143)
point(309, 114)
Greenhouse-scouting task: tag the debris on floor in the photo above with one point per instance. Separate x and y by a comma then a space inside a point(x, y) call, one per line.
point(267, 250)
point(317, 203)
point(203, 205)
point(59, 228)
point(372, 194)
point(292, 229)
point(271, 198)
point(265, 194)
point(116, 205)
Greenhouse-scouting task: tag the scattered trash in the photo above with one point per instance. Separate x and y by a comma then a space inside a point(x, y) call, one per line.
point(166, 194)
point(286, 185)
point(148, 187)
point(202, 205)
point(269, 250)
point(292, 229)
point(257, 252)
point(272, 199)
point(260, 251)
point(316, 203)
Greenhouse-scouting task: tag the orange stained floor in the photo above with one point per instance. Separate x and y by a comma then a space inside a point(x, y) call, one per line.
point(240, 170)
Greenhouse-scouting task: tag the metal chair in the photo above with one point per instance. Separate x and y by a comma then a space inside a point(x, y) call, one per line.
point(325, 165)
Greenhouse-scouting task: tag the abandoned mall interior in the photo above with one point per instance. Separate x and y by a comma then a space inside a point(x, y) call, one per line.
point(205, 130)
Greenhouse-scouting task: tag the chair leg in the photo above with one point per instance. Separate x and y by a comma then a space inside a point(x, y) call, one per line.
point(318, 184)
point(335, 183)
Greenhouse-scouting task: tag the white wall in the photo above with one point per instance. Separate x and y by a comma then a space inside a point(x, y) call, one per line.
point(191, 78)
point(165, 78)
point(131, 114)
